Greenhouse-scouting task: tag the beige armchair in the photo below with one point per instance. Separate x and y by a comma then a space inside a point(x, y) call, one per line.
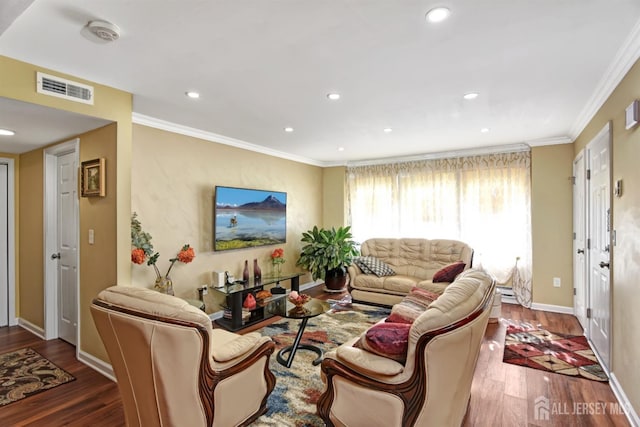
point(433, 386)
point(173, 368)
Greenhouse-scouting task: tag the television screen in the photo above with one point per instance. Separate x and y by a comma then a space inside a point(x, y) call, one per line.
point(247, 218)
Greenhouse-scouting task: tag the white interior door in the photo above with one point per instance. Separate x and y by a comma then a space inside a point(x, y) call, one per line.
point(599, 294)
point(580, 240)
point(4, 245)
point(67, 254)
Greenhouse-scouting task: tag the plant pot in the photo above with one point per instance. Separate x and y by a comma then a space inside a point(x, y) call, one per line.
point(336, 279)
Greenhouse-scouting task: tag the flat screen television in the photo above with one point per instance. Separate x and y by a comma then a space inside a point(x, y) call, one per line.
point(246, 218)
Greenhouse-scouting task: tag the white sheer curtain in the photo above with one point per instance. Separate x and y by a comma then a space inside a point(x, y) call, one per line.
point(482, 200)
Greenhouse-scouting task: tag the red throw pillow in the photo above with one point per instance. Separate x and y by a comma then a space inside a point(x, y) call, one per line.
point(386, 339)
point(448, 273)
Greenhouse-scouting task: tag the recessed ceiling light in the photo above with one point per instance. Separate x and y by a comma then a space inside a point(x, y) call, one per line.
point(387, 130)
point(484, 130)
point(438, 14)
point(340, 148)
point(192, 94)
point(470, 95)
point(7, 132)
point(333, 96)
point(288, 129)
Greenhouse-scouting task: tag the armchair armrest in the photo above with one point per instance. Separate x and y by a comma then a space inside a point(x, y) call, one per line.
point(368, 363)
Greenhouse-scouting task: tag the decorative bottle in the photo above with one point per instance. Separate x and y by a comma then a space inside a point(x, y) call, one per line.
point(257, 273)
point(245, 272)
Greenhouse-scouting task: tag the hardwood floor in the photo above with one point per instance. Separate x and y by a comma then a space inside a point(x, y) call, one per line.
point(502, 394)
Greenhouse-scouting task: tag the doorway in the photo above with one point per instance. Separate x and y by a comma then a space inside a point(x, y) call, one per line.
point(7, 244)
point(61, 257)
point(592, 243)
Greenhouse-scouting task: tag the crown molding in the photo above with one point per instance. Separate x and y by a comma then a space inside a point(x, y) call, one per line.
point(153, 122)
point(556, 140)
point(627, 55)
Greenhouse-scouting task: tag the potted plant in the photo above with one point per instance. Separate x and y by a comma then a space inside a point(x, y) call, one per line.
point(327, 254)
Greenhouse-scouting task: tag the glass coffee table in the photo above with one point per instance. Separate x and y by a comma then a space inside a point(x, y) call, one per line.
point(282, 307)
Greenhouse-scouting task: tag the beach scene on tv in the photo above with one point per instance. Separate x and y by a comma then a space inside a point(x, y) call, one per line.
point(246, 218)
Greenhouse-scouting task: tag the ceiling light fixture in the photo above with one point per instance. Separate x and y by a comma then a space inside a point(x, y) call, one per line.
point(333, 96)
point(438, 14)
point(7, 132)
point(470, 95)
point(387, 130)
point(484, 130)
point(340, 148)
point(288, 129)
point(192, 94)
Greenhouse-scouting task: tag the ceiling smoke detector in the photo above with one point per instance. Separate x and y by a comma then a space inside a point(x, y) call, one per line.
point(104, 30)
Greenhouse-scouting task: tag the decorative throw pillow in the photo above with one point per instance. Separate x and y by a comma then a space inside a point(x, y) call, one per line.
point(448, 273)
point(362, 265)
point(386, 339)
point(411, 306)
point(375, 266)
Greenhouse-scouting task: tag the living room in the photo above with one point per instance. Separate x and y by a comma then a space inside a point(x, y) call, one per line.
point(167, 174)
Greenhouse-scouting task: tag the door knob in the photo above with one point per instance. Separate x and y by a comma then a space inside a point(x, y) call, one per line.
point(55, 256)
point(604, 264)
point(580, 251)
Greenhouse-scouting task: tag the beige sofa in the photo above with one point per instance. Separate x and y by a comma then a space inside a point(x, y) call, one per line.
point(433, 386)
point(414, 261)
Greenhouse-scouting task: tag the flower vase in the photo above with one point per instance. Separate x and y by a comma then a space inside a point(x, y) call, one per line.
point(164, 285)
point(257, 273)
point(276, 269)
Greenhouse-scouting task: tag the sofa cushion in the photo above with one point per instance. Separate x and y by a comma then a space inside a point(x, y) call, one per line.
point(359, 261)
point(374, 266)
point(449, 272)
point(386, 339)
point(411, 306)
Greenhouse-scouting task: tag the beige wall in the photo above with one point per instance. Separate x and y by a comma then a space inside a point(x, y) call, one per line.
point(334, 198)
point(18, 81)
point(173, 183)
point(97, 261)
point(552, 223)
point(625, 256)
point(31, 252)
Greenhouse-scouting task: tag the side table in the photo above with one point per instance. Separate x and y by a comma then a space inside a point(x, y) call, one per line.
point(282, 307)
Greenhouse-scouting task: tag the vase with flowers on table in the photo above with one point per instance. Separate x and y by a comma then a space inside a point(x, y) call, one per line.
point(143, 250)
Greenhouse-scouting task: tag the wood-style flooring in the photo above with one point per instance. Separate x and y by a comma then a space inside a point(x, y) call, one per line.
point(502, 394)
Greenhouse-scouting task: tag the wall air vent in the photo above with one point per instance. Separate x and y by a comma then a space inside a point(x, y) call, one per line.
point(63, 88)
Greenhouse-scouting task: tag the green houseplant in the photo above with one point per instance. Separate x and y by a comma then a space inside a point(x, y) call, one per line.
point(327, 253)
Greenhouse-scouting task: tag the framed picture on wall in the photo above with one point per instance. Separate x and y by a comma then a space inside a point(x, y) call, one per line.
point(92, 178)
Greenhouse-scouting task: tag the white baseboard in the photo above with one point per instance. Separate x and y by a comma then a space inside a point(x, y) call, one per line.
point(632, 416)
point(218, 314)
point(97, 365)
point(35, 330)
point(552, 308)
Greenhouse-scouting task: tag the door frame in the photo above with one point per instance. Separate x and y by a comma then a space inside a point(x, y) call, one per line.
point(11, 237)
point(580, 161)
point(51, 239)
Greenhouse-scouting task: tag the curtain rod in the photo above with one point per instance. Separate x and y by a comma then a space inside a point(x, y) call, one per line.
point(512, 148)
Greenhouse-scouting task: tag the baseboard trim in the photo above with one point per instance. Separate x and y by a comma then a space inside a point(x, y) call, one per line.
point(218, 314)
point(552, 308)
point(632, 416)
point(97, 365)
point(35, 330)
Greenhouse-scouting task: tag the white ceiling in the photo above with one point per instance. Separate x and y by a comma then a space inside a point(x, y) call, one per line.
point(541, 67)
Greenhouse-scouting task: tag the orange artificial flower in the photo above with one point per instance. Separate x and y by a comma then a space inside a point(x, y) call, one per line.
point(138, 256)
point(186, 255)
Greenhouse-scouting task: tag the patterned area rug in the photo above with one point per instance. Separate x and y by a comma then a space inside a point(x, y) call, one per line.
point(293, 401)
point(534, 347)
point(24, 373)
